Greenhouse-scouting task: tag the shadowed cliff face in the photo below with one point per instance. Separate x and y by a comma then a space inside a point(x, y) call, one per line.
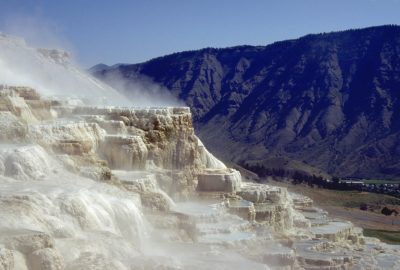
point(328, 100)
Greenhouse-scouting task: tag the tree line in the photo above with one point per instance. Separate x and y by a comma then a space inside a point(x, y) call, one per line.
point(298, 177)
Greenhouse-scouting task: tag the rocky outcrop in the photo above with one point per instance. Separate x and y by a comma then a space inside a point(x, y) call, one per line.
point(11, 101)
point(93, 140)
point(124, 152)
point(36, 249)
point(12, 129)
point(46, 259)
point(24, 162)
point(225, 180)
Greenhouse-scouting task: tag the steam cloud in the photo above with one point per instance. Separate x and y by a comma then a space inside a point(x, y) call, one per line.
point(51, 73)
point(141, 90)
point(54, 72)
point(36, 31)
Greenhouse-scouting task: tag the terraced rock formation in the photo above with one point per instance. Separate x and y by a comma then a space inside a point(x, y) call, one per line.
point(86, 187)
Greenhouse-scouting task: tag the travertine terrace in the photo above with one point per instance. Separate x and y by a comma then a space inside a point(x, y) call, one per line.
point(85, 187)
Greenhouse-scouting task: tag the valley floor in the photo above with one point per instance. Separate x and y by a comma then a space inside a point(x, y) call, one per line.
point(345, 205)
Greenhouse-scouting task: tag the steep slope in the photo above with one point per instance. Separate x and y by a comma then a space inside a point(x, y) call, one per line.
point(327, 100)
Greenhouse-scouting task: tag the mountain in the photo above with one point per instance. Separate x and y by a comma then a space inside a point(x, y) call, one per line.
point(98, 67)
point(327, 102)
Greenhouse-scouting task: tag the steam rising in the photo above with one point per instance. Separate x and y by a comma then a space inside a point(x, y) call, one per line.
point(56, 76)
point(51, 73)
point(36, 30)
point(142, 91)
point(54, 73)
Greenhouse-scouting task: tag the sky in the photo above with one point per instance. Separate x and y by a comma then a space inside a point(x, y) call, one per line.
point(123, 31)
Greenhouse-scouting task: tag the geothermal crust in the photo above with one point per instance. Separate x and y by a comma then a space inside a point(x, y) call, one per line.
point(84, 187)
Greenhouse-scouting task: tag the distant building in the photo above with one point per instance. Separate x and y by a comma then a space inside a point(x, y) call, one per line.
point(352, 182)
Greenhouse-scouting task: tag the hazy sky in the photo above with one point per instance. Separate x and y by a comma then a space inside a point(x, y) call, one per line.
point(116, 31)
